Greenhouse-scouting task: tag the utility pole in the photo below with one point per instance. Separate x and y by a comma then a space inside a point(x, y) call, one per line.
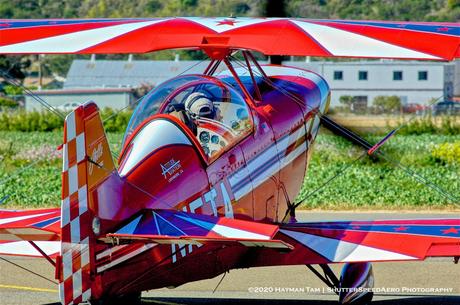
point(275, 8)
point(40, 74)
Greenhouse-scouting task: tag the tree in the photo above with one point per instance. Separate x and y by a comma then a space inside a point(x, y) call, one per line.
point(347, 101)
point(13, 67)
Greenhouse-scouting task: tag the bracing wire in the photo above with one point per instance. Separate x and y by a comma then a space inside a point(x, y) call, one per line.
point(28, 270)
point(220, 282)
point(16, 83)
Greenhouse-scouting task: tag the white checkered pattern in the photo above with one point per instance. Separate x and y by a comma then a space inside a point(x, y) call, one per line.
point(74, 287)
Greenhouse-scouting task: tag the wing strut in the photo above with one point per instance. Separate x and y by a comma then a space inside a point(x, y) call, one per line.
point(254, 83)
point(238, 80)
point(328, 278)
point(48, 258)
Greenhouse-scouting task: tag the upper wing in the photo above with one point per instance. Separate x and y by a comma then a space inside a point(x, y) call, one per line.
point(386, 240)
point(19, 228)
point(271, 36)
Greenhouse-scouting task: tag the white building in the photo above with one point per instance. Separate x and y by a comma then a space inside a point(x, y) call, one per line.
point(415, 82)
point(67, 99)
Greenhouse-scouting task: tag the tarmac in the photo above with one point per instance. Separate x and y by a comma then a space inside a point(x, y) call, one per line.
point(435, 281)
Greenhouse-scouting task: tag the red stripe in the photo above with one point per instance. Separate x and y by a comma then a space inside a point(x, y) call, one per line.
point(275, 37)
point(169, 34)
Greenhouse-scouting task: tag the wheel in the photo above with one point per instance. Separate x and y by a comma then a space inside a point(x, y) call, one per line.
point(364, 300)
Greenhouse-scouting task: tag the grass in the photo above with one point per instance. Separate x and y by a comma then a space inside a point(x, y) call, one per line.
point(410, 124)
point(367, 184)
point(30, 167)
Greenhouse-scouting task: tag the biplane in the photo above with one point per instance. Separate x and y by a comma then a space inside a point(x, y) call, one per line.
point(211, 163)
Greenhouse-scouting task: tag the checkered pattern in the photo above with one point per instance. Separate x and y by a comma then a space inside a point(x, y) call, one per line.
point(75, 250)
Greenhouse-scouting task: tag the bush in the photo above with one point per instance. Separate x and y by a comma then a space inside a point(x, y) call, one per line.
point(115, 122)
point(387, 104)
point(7, 103)
point(447, 152)
point(13, 90)
point(447, 125)
point(29, 121)
point(46, 121)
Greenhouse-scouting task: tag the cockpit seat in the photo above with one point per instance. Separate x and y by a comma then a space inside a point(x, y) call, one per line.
point(178, 111)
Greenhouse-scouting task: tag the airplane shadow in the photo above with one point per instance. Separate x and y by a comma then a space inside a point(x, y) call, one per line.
point(398, 300)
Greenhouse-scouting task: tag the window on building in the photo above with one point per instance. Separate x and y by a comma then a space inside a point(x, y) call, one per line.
point(422, 75)
point(397, 75)
point(338, 75)
point(362, 75)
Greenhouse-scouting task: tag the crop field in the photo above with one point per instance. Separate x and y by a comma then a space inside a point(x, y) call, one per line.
point(30, 172)
point(379, 183)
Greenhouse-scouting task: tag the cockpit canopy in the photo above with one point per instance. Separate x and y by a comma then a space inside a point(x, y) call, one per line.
point(214, 111)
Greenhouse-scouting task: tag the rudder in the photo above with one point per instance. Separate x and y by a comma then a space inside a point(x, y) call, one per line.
point(86, 163)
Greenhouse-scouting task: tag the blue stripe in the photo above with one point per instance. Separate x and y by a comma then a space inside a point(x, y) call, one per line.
point(256, 173)
point(240, 184)
point(428, 28)
point(259, 171)
point(431, 230)
point(7, 24)
point(47, 222)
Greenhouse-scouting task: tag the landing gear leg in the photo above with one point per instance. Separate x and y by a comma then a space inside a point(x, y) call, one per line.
point(328, 278)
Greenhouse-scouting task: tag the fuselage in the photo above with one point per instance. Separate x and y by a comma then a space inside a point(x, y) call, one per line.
point(249, 165)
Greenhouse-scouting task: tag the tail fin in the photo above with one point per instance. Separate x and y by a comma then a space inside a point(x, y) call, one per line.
point(86, 163)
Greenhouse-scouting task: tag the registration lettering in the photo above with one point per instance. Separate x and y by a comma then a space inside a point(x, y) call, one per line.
point(219, 194)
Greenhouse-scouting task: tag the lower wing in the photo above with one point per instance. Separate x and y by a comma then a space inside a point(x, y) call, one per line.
point(382, 240)
point(300, 243)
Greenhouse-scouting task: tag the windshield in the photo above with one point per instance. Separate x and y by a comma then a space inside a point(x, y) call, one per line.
point(213, 111)
point(151, 102)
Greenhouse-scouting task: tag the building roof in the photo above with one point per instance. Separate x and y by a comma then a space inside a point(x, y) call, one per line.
point(70, 91)
point(131, 74)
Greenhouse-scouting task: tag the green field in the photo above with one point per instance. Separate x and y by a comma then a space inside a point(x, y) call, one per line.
point(372, 184)
point(30, 172)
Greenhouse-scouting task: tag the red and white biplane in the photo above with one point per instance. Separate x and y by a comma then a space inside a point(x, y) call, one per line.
point(211, 164)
